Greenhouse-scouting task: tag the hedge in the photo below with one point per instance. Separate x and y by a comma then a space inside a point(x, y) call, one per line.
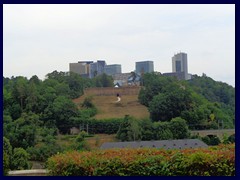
point(213, 161)
point(103, 126)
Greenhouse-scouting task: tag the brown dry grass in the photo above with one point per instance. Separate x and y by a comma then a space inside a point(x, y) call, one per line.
point(108, 107)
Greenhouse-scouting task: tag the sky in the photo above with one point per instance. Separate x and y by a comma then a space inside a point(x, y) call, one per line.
point(39, 39)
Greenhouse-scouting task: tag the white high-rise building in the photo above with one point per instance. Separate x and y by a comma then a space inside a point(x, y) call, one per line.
point(179, 64)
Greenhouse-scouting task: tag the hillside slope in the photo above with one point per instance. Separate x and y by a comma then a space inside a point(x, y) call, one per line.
point(108, 107)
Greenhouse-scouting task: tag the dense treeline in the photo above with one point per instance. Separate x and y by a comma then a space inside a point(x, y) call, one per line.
point(35, 110)
point(202, 102)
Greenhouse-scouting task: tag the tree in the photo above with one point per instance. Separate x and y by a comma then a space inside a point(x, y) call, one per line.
point(179, 128)
point(103, 80)
point(62, 110)
point(7, 154)
point(162, 131)
point(20, 91)
point(80, 142)
point(147, 130)
point(129, 130)
point(22, 132)
point(20, 159)
point(166, 106)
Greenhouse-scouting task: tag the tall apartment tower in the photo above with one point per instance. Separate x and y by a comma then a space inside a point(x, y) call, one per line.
point(144, 67)
point(179, 64)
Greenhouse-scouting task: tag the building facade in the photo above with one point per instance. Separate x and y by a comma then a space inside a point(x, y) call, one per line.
point(144, 67)
point(82, 67)
point(180, 64)
point(96, 68)
point(113, 69)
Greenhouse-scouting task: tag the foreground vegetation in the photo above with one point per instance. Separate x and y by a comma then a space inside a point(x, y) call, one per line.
point(36, 111)
point(217, 161)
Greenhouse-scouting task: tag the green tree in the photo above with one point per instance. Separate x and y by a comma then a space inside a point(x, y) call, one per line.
point(103, 80)
point(162, 131)
point(20, 159)
point(147, 130)
point(80, 142)
point(7, 154)
point(129, 130)
point(22, 132)
point(171, 104)
point(179, 128)
point(63, 109)
point(20, 91)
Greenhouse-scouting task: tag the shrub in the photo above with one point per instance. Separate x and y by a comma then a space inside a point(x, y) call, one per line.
point(217, 161)
point(7, 152)
point(20, 159)
point(231, 138)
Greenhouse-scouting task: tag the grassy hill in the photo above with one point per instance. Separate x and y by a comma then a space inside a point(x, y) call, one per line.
point(108, 107)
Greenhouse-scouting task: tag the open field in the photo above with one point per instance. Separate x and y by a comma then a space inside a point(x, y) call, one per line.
point(108, 107)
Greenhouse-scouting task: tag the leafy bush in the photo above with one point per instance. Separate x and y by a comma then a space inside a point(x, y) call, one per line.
point(211, 140)
point(218, 161)
point(7, 152)
point(20, 159)
point(231, 138)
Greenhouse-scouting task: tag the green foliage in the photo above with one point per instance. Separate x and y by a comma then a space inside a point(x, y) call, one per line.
point(20, 159)
point(5, 164)
point(153, 85)
point(202, 102)
point(166, 106)
point(103, 80)
point(63, 109)
point(161, 131)
point(231, 139)
point(147, 130)
point(80, 143)
point(7, 153)
point(129, 130)
point(22, 132)
point(43, 151)
point(179, 128)
point(206, 139)
point(88, 109)
point(87, 103)
point(219, 161)
point(103, 126)
point(211, 140)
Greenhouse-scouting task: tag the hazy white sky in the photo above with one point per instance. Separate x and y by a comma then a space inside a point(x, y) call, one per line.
point(38, 39)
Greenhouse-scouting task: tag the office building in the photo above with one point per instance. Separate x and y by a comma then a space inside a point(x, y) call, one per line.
point(82, 67)
point(144, 67)
point(96, 68)
point(113, 69)
point(180, 65)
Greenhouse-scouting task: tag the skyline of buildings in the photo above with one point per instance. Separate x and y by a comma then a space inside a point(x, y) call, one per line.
point(113, 69)
point(91, 69)
point(179, 67)
point(142, 67)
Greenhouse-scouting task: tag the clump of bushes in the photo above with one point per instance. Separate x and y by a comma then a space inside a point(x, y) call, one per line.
point(217, 161)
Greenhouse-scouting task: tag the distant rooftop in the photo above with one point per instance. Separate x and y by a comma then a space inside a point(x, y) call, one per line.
point(165, 144)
